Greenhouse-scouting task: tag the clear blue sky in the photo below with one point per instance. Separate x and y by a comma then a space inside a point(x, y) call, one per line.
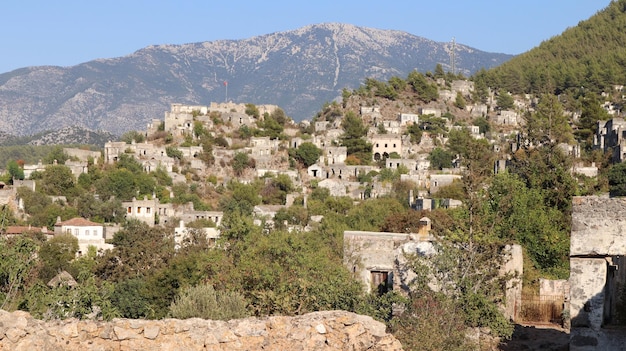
point(69, 32)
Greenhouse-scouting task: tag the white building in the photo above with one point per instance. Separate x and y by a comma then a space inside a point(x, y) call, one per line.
point(87, 232)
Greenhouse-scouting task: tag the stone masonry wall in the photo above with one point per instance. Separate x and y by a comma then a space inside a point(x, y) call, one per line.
point(328, 330)
point(598, 226)
point(597, 247)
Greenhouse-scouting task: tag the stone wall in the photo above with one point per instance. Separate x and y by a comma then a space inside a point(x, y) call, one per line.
point(597, 249)
point(328, 330)
point(598, 226)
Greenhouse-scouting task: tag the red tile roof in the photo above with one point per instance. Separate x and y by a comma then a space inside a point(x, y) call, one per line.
point(77, 222)
point(19, 229)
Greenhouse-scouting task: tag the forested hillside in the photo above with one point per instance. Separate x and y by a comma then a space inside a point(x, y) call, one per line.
point(590, 56)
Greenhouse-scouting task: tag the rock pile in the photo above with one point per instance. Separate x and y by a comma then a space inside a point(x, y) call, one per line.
point(328, 330)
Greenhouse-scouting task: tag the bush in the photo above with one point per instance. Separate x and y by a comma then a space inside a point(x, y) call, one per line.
point(202, 301)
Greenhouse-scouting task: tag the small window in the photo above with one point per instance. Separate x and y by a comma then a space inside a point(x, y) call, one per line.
point(139, 209)
point(130, 209)
point(148, 209)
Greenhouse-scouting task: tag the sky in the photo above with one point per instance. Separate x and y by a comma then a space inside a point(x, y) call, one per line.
point(70, 32)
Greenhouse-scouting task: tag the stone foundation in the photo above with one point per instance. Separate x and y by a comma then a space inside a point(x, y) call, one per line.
point(328, 330)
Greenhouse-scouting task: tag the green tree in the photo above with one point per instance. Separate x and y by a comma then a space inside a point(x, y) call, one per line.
point(129, 298)
point(468, 280)
point(56, 255)
point(440, 158)
point(18, 259)
point(483, 124)
point(548, 123)
point(240, 163)
point(352, 138)
point(426, 90)
point(432, 322)
point(434, 125)
point(56, 154)
point(307, 154)
point(459, 101)
point(504, 101)
point(133, 136)
point(15, 171)
point(128, 162)
point(518, 213)
point(439, 73)
point(591, 113)
point(57, 180)
point(617, 179)
point(174, 153)
point(138, 251)
point(252, 110)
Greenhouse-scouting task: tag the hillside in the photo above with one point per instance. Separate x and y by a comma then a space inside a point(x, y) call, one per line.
point(590, 56)
point(298, 70)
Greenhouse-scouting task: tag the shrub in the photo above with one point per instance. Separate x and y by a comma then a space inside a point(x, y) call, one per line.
point(203, 301)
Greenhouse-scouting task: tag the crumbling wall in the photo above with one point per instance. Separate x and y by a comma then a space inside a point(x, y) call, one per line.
point(597, 247)
point(328, 330)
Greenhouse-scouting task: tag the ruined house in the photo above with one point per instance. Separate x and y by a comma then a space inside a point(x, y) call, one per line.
point(597, 274)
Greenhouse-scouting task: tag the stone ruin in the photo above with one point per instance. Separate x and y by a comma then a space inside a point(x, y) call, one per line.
point(597, 273)
point(327, 330)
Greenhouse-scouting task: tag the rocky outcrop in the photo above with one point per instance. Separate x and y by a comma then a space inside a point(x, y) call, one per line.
point(328, 330)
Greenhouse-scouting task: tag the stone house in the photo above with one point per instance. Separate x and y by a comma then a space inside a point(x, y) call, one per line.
point(265, 214)
point(440, 180)
point(391, 127)
point(15, 230)
point(187, 213)
point(238, 119)
point(143, 210)
point(379, 260)
point(77, 167)
point(369, 110)
point(182, 233)
point(408, 118)
point(597, 274)
point(420, 178)
point(446, 95)
point(321, 126)
point(596, 254)
point(472, 129)
point(29, 169)
point(385, 144)
point(410, 163)
point(83, 155)
point(113, 150)
point(610, 136)
point(424, 111)
point(479, 110)
point(317, 171)
point(506, 118)
point(87, 232)
point(335, 187)
point(373, 257)
point(589, 171)
point(464, 87)
point(334, 155)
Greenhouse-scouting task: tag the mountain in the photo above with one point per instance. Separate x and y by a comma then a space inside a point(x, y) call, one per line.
point(298, 70)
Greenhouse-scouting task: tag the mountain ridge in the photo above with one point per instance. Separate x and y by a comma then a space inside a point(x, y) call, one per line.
point(298, 70)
